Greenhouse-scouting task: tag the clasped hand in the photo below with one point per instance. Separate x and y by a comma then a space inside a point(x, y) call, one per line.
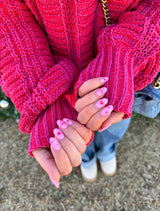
point(71, 137)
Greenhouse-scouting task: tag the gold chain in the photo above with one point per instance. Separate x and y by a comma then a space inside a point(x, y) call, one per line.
point(156, 82)
point(106, 12)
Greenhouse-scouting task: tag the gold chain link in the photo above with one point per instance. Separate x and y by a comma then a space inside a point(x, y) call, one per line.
point(156, 82)
point(106, 12)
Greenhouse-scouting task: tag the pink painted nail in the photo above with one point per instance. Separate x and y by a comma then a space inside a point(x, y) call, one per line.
point(61, 124)
point(102, 129)
point(107, 110)
point(68, 121)
point(101, 103)
point(104, 79)
point(58, 133)
point(101, 91)
point(54, 183)
point(54, 144)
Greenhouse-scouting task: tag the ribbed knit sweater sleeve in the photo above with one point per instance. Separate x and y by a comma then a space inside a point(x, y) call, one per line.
point(129, 54)
point(29, 74)
point(43, 127)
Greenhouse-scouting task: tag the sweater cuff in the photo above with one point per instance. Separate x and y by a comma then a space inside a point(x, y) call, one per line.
point(115, 60)
point(118, 67)
point(55, 82)
point(46, 122)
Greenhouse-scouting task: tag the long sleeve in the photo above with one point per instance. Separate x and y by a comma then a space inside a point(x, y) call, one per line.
point(43, 127)
point(29, 73)
point(128, 53)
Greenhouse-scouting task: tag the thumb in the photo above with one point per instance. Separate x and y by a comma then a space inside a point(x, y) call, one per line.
point(115, 117)
point(45, 158)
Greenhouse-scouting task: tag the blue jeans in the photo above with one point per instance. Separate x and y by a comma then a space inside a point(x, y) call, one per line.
point(103, 147)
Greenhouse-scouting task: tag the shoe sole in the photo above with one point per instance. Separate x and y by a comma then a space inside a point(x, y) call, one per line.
point(89, 180)
point(109, 175)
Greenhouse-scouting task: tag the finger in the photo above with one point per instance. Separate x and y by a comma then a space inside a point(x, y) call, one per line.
point(72, 135)
point(73, 154)
point(45, 158)
point(90, 110)
point(61, 158)
point(83, 131)
point(91, 84)
point(97, 120)
point(68, 146)
point(90, 98)
point(115, 117)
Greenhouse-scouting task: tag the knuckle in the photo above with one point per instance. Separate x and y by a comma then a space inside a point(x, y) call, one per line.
point(82, 147)
point(87, 135)
point(66, 171)
point(88, 111)
point(77, 161)
point(92, 126)
point(81, 118)
point(81, 91)
point(77, 104)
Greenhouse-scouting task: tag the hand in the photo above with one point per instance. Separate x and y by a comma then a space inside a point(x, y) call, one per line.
point(65, 150)
point(91, 106)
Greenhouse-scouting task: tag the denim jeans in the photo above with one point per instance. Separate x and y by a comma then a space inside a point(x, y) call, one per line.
point(147, 102)
point(103, 147)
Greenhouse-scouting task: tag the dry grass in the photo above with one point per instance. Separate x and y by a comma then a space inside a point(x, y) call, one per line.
point(24, 186)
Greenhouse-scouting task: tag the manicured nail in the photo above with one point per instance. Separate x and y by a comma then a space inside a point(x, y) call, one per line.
point(58, 133)
point(102, 129)
point(101, 103)
point(104, 79)
point(68, 121)
point(61, 124)
point(54, 144)
point(101, 91)
point(107, 110)
point(54, 183)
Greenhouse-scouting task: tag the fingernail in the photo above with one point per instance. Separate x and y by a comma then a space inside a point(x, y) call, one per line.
point(104, 79)
point(61, 124)
point(100, 130)
point(58, 133)
point(54, 183)
point(107, 110)
point(54, 144)
point(101, 103)
point(68, 121)
point(101, 91)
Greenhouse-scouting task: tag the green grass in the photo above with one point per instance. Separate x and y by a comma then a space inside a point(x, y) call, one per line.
point(10, 111)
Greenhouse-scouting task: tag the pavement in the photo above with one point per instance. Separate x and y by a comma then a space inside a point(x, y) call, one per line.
point(24, 186)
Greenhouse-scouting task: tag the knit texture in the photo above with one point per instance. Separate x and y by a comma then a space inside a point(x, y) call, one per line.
point(43, 127)
point(31, 34)
point(129, 54)
point(31, 76)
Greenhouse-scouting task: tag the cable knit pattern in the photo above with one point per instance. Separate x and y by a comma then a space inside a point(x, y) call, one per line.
point(32, 32)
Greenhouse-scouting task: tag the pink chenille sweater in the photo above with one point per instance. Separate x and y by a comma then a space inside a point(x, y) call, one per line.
point(48, 48)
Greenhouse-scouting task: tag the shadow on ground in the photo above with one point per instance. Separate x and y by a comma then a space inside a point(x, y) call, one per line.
point(136, 186)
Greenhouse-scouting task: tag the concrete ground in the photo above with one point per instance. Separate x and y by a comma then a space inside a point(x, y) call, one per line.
point(24, 186)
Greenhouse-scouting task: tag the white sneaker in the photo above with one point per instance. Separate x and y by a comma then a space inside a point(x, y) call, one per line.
point(89, 174)
point(109, 167)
